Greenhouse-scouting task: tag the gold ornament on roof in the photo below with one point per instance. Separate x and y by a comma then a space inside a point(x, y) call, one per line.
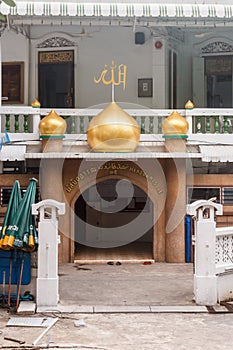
point(189, 105)
point(175, 124)
point(113, 130)
point(36, 103)
point(52, 124)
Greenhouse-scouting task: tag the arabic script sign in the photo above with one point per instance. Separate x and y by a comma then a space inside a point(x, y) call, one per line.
point(113, 75)
point(113, 168)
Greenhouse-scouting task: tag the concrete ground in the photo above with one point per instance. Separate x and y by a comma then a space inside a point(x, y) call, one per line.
point(126, 284)
point(127, 332)
point(172, 321)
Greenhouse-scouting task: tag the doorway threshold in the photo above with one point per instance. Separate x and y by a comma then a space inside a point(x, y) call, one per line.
point(133, 253)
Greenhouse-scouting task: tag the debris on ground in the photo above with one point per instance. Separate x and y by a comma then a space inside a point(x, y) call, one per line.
point(15, 340)
point(79, 323)
point(26, 322)
point(114, 263)
point(83, 268)
point(49, 324)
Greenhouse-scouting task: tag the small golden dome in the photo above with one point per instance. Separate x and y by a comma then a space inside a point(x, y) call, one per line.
point(52, 124)
point(113, 130)
point(189, 105)
point(36, 103)
point(175, 124)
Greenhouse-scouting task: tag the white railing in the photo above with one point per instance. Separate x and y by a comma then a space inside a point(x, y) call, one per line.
point(202, 121)
point(150, 120)
point(213, 255)
point(224, 249)
point(22, 119)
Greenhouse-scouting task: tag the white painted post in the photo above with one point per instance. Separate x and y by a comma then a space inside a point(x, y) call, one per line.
point(205, 279)
point(35, 122)
point(189, 118)
point(0, 73)
point(47, 278)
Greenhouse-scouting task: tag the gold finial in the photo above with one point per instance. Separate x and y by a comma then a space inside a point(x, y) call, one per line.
point(189, 105)
point(52, 124)
point(175, 124)
point(113, 130)
point(36, 104)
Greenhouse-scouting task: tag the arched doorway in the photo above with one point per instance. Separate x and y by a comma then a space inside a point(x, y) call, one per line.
point(112, 224)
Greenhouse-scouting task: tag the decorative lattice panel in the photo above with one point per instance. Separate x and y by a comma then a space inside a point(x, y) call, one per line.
point(224, 250)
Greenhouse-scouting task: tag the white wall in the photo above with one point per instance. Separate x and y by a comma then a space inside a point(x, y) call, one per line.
point(15, 47)
point(92, 53)
point(112, 44)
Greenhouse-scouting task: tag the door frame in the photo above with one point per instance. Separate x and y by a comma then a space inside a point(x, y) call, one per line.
point(198, 63)
point(41, 64)
point(34, 69)
point(157, 237)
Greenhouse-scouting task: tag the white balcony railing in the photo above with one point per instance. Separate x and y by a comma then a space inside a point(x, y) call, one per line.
point(202, 121)
point(224, 249)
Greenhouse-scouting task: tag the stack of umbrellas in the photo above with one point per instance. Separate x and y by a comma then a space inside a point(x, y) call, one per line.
point(18, 232)
point(19, 226)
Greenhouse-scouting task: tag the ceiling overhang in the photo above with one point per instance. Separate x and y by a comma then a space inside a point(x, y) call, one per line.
point(175, 14)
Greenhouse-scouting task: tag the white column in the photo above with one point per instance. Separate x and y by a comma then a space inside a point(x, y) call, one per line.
point(159, 69)
point(199, 93)
point(0, 74)
point(47, 293)
point(205, 279)
point(189, 118)
point(35, 122)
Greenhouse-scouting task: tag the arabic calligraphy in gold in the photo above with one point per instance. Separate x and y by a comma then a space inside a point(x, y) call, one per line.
point(108, 77)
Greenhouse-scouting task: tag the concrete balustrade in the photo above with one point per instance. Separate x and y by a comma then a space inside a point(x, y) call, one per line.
point(204, 123)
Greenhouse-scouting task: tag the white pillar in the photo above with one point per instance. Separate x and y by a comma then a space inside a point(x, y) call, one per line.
point(47, 276)
point(35, 122)
point(0, 73)
point(159, 73)
point(205, 279)
point(189, 118)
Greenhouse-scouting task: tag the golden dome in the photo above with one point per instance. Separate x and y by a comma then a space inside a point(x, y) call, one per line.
point(113, 130)
point(189, 105)
point(175, 124)
point(52, 124)
point(36, 103)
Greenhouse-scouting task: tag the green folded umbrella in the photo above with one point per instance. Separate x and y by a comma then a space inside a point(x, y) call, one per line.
point(12, 209)
point(22, 235)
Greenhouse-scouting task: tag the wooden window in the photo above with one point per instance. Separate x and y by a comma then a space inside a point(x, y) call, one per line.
point(12, 82)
